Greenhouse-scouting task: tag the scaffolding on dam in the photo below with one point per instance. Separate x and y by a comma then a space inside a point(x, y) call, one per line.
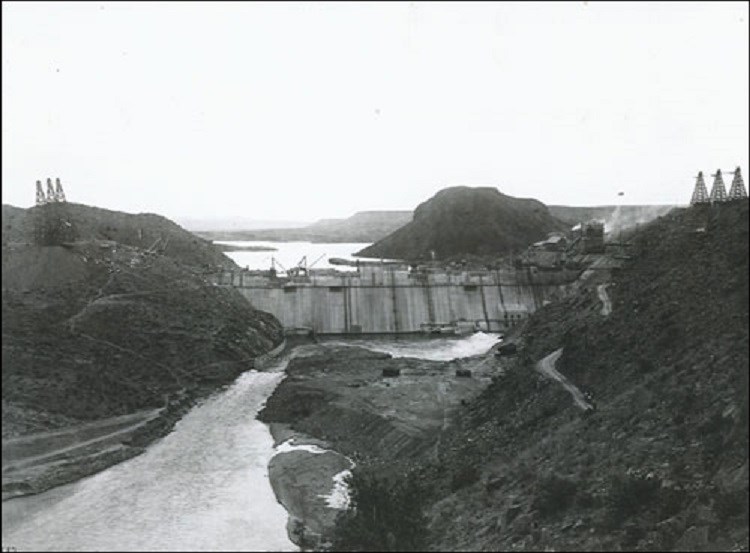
point(393, 299)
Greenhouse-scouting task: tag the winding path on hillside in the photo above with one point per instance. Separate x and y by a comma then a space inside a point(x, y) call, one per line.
point(601, 291)
point(547, 367)
point(36, 448)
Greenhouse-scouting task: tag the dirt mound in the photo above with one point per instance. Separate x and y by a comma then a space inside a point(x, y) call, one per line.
point(463, 220)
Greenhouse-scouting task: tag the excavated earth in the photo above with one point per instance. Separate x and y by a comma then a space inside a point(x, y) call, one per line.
point(338, 397)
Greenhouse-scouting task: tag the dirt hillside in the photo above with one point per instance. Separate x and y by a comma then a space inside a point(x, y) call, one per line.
point(463, 220)
point(99, 326)
point(660, 463)
point(142, 230)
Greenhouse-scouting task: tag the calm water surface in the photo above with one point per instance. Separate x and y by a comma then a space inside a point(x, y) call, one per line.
point(289, 254)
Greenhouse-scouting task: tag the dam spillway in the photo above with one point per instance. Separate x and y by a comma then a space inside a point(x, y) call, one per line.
point(387, 299)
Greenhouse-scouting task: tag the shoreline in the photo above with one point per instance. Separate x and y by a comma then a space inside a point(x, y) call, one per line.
point(303, 478)
point(72, 467)
point(307, 466)
point(337, 397)
point(81, 461)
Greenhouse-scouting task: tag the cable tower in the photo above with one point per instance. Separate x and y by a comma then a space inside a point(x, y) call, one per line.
point(700, 194)
point(737, 190)
point(59, 194)
point(40, 198)
point(50, 191)
point(718, 191)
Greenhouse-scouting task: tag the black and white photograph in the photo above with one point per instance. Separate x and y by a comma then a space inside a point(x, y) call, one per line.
point(375, 276)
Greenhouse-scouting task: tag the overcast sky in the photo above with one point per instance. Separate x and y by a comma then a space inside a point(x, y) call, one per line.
point(306, 111)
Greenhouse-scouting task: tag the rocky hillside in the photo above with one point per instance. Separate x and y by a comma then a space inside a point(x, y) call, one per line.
point(662, 461)
point(142, 230)
point(463, 220)
point(363, 226)
point(95, 325)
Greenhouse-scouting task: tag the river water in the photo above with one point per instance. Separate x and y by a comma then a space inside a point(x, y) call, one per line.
point(203, 487)
point(441, 349)
point(289, 254)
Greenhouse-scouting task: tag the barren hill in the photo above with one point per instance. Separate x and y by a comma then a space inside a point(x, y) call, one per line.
point(100, 326)
point(463, 220)
point(142, 230)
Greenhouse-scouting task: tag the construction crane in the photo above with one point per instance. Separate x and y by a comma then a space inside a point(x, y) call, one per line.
point(275, 262)
point(314, 262)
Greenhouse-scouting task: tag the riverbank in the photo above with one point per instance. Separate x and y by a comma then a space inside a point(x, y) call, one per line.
point(72, 453)
point(35, 463)
point(303, 474)
point(204, 486)
point(336, 397)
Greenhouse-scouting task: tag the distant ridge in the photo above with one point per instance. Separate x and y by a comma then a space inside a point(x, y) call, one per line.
point(363, 226)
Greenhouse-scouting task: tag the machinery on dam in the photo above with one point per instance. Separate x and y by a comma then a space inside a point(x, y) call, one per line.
point(392, 298)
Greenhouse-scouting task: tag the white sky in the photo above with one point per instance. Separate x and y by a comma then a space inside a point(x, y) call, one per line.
point(305, 111)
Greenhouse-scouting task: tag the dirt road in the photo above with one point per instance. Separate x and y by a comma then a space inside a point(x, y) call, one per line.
point(35, 448)
point(601, 291)
point(547, 367)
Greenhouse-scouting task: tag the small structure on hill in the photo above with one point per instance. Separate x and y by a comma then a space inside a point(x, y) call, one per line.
point(737, 190)
point(463, 373)
point(391, 372)
point(700, 193)
point(592, 237)
point(548, 254)
point(53, 224)
point(718, 191)
point(54, 193)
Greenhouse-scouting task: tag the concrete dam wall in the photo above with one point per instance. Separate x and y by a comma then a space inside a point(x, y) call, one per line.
point(387, 299)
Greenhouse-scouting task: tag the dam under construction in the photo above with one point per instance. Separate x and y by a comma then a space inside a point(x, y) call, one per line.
point(383, 298)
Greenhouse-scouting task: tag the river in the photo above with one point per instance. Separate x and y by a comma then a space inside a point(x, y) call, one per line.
point(289, 254)
point(203, 487)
